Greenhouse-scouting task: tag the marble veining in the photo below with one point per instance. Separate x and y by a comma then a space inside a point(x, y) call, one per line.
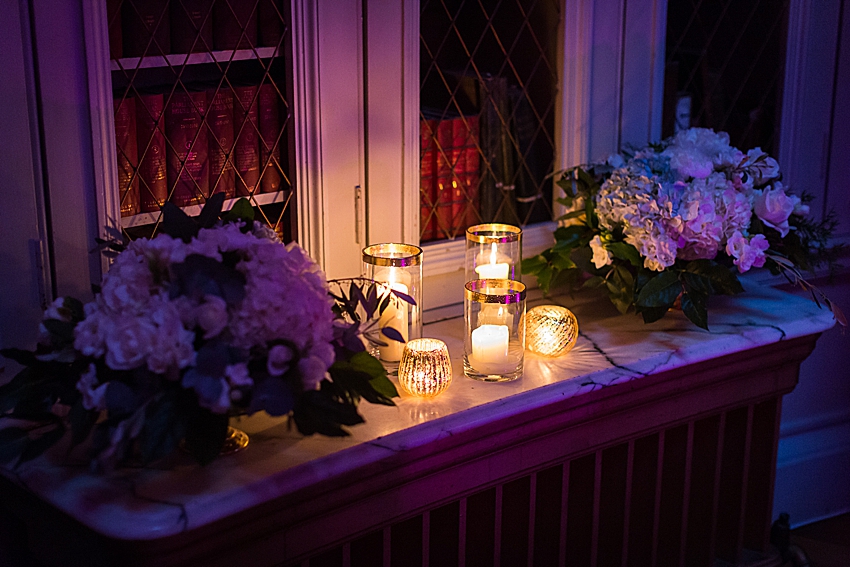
point(149, 503)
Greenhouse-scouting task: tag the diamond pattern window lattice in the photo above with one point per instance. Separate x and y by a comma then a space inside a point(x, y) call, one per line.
point(724, 68)
point(487, 113)
point(201, 91)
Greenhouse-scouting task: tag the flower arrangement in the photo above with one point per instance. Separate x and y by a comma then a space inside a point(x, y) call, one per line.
point(672, 223)
point(209, 319)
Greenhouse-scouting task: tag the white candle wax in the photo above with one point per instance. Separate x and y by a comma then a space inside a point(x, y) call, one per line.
point(495, 314)
point(394, 316)
point(490, 344)
point(498, 271)
point(489, 266)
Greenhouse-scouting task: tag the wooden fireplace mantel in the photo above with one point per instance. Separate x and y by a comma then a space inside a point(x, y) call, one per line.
point(646, 444)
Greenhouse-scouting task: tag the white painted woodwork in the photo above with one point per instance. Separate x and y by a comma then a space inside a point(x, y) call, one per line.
point(838, 187)
point(104, 151)
point(336, 123)
point(807, 98)
point(70, 179)
point(24, 277)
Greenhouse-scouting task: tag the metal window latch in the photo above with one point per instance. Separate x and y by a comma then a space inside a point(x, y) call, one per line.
point(358, 214)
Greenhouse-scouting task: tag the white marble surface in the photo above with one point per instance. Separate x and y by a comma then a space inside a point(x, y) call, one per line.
point(147, 504)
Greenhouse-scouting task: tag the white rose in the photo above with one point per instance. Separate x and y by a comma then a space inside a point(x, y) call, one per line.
point(312, 370)
point(211, 315)
point(129, 344)
point(278, 360)
point(94, 395)
point(601, 256)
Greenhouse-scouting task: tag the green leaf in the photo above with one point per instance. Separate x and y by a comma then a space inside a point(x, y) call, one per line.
point(625, 252)
point(697, 282)
point(82, 421)
point(594, 282)
point(694, 308)
point(64, 330)
point(12, 442)
point(75, 306)
point(205, 435)
point(571, 234)
point(530, 266)
point(164, 428)
point(241, 210)
point(211, 211)
point(384, 386)
point(544, 278)
point(199, 275)
point(22, 357)
point(319, 412)
point(38, 446)
point(363, 376)
point(723, 280)
point(652, 314)
point(572, 215)
point(563, 262)
point(177, 224)
point(660, 291)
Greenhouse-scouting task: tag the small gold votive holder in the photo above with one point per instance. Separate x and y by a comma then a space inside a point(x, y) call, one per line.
point(425, 369)
point(550, 330)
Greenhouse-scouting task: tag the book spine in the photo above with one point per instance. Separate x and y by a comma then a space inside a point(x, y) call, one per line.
point(427, 180)
point(269, 119)
point(125, 138)
point(188, 167)
point(220, 121)
point(270, 22)
point(147, 28)
point(113, 20)
point(247, 151)
point(234, 24)
point(444, 187)
point(460, 135)
point(191, 26)
point(153, 183)
point(471, 178)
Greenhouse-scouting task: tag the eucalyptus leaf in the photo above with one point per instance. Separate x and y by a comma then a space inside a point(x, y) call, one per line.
point(392, 334)
point(404, 297)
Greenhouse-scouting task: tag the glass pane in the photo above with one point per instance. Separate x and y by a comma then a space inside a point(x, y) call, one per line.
point(201, 91)
point(724, 69)
point(488, 81)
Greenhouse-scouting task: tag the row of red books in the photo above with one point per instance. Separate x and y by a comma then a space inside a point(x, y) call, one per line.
point(448, 180)
point(159, 27)
point(195, 144)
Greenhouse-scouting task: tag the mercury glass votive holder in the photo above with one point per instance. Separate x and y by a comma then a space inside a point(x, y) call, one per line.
point(425, 369)
point(550, 330)
point(493, 251)
point(396, 268)
point(494, 341)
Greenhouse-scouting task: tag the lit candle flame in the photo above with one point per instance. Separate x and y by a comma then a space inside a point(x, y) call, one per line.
point(493, 254)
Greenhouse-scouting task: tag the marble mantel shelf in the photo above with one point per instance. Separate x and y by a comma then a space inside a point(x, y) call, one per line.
point(150, 504)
